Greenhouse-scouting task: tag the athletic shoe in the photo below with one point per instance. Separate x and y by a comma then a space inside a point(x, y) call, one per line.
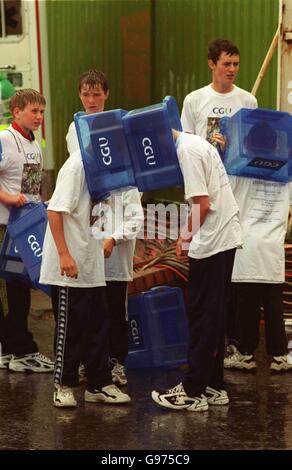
point(240, 361)
point(63, 397)
point(176, 399)
point(4, 361)
point(108, 394)
point(231, 349)
point(81, 374)
point(34, 362)
point(280, 363)
point(118, 372)
point(216, 397)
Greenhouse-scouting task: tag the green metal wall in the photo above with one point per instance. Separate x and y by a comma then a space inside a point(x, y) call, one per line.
point(113, 36)
point(151, 48)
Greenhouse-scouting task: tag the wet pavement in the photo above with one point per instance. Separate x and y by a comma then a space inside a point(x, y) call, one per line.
point(259, 415)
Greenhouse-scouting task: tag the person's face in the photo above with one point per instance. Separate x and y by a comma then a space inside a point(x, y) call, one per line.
point(225, 70)
point(30, 118)
point(93, 99)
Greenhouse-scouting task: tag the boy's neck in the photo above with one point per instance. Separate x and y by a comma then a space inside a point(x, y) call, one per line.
point(27, 135)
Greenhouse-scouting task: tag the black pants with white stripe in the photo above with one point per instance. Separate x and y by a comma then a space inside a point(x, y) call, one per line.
point(81, 335)
point(209, 291)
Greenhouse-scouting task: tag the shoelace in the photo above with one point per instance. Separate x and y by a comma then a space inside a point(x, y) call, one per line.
point(65, 392)
point(43, 358)
point(177, 389)
point(119, 369)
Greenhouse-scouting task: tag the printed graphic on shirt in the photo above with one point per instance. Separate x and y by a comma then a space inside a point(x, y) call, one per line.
point(213, 127)
point(31, 178)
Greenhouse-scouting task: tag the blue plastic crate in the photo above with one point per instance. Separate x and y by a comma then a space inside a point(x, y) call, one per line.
point(11, 264)
point(158, 329)
point(12, 267)
point(105, 154)
point(259, 144)
point(27, 226)
point(151, 145)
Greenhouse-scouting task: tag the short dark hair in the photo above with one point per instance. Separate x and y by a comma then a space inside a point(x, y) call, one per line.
point(93, 78)
point(24, 97)
point(221, 45)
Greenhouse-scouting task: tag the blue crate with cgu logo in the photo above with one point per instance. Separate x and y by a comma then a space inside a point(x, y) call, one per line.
point(121, 149)
point(11, 264)
point(151, 145)
point(258, 144)
point(158, 329)
point(105, 155)
point(27, 227)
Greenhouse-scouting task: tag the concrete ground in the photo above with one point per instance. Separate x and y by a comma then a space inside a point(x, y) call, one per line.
point(259, 415)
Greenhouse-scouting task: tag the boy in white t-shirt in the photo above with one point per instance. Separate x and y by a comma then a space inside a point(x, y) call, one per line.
point(119, 245)
point(213, 234)
point(21, 167)
point(73, 264)
point(201, 114)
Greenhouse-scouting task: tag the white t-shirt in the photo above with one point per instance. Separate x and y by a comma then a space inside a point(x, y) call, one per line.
point(203, 109)
point(71, 197)
point(21, 166)
point(125, 221)
point(204, 175)
point(264, 209)
point(127, 217)
point(72, 139)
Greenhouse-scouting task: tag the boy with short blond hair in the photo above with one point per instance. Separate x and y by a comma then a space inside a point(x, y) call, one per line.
point(21, 167)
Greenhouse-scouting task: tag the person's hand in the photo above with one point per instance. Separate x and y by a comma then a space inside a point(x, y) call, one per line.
point(16, 200)
point(68, 266)
point(108, 246)
point(220, 140)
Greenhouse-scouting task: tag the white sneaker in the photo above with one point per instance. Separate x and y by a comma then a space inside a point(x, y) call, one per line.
point(34, 362)
point(4, 361)
point(108, 394)
point(81, 374)
point(216, 397)
point(280, 363)
point(240, 361)
point(118, 372)
point(64, 397)
point(176, 399)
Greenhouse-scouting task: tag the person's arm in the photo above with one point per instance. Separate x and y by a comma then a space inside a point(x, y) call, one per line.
point(198, 213)
point(133, 218)
point(16, 200)
point(68, 265)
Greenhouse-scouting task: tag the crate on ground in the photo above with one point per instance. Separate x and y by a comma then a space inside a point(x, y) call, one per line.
point(158, 329)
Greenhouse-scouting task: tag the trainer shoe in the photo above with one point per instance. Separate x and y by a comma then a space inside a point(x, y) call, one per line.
point(280, 363)
point(81, 374)
point(240, 361)
point(231, 349)
point(108, 394)
point(34, 362)
point(4, 361)
point(216, 397)
point(176, 399)
point(63, 397)
point(118, 372)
